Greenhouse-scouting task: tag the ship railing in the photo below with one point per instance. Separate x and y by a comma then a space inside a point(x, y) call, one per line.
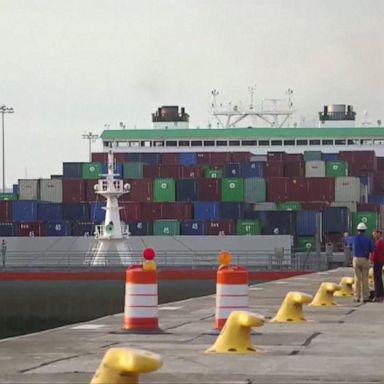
point(256, 260)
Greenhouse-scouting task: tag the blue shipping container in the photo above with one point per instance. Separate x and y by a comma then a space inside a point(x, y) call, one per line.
point(72, 170)
point(367, 181)
point(234, 211)
point(336, 219)
point(7, 229)
point(24, 210)
point(306, 223)
point(49, 212)
point(188, 158)
point(253, 169)
point(193, 228)
point(133, 157)
point(150, 158)
point(233, 170)
point(97, 213)
point(274, 222)
point(15, 188)
point(206, 210)
point(329, 156)
point(59, 228)
point(140, 228)
point(76, 212)
point(376, 199)
point(83, 229)
point(186, 190)
point(118, 169)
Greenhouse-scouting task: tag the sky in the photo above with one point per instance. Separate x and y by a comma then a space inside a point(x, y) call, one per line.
point(70, 67)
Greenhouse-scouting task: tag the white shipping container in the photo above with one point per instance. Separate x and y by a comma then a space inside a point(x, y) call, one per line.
point(255, 190)
point(51, 190)
point(347, 188)
point(315, 168)
point(267, 206)
point(29, 189)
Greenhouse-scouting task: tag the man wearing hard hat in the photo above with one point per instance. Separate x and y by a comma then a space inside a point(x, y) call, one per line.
point(362, 246)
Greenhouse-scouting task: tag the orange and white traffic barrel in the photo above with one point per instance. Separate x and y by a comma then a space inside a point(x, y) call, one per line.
point(141, 295)
point(231, 289)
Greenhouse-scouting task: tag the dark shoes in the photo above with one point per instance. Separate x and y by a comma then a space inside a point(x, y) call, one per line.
point(378, 299)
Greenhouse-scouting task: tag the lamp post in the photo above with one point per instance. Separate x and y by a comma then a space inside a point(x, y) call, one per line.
point(90, 136)
point(3, 110)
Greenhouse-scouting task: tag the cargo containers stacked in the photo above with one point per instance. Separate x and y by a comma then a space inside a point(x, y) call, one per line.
point(210, 193)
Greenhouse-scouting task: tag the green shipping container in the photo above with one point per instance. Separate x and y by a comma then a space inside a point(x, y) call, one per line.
point(91, 171)
point(289, 206)
point(254, 190)
point(133, 170)
point(164, 190)
point(166, 228)
point(336, 168)
point(8, 196)
point(370, 219)
point(232, 190)
point(248, 227)
point(312, 155)
point(213, 173)
point(307, 243)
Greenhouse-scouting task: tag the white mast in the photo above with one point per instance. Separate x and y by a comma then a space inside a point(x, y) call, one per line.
point(112, 235)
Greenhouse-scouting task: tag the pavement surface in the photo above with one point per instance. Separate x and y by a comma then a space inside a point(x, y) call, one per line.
point(343, 344)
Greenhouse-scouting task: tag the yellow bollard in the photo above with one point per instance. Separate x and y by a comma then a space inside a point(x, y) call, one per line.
point(371, 281)
point(291, 310)
point(346, 284)
point(235, 337)
point(324, 296)
point(123, 366)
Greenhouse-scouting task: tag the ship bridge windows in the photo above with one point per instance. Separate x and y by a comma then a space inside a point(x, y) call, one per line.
point(340, 142)
point(134, 143)
point(314, 142)
point(327, 142)
point(366, 141)
point(196, 143)
point(221, 143)
point(264, 143)
point(301, 142)
point(122, 144)
point(289, 142)
point(184, 143)
point(158, 143)
point(249, 142)
point(146, 143)
point(171, 143)
point(209, 143)
point(234, 142)
point(378, 141)
point(276, 142)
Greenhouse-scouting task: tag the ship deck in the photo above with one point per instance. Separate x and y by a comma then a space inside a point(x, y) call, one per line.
point(341, 344)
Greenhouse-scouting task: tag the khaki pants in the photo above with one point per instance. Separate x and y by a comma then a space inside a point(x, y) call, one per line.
point(361, 268)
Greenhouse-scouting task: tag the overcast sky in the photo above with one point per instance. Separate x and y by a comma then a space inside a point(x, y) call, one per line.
point(71, 66)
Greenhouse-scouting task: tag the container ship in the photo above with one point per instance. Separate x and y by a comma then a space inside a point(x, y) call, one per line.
point(280, 198)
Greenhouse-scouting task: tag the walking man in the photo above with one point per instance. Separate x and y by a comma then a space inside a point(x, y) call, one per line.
point(3, 251)
point(362, 247)
point(377, 259)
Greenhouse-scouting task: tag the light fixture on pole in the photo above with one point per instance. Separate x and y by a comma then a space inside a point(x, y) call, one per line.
point(3, 110)
point(91, 137)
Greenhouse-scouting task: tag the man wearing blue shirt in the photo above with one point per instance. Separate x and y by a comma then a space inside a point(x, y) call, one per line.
point(362, 246)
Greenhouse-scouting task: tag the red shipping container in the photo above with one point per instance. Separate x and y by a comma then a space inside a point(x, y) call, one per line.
point(321, 189)
point(204, 158)
point(141, 190)
point(294, 169)
point(240, 157)
point(31, 228)
point(120, 157)
point(100, 157)
point(180, 211)
point(220, 158)
point(172, 171)
point(293, 157)
point(380, 163)
point(74, 190)
point(274, 169)
point(275, 156)
point(151, 171)
point(368, 207)
point(90, 194)
point(297, 189)
point(359, 161)
point(209, 189)
point(152, 211)
point(5, 211)
point(223, 227)
point(191, 172)
point(131, 211)
point(278, 189)
point(314, 205)
point(170, 159)
point(378, 182)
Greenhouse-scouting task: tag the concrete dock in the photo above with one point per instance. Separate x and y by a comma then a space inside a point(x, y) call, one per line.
point(343, 344)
